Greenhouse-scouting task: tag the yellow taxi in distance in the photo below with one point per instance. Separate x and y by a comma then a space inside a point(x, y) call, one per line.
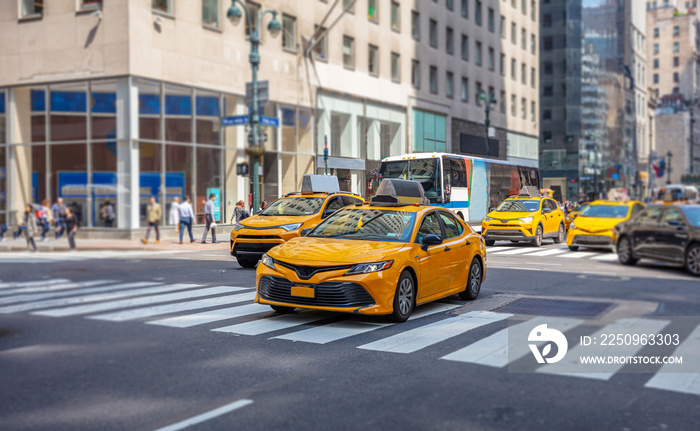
point(286, 217)
point(594, 227)
point(525, 217)
point(575, 212)
point(380, 258)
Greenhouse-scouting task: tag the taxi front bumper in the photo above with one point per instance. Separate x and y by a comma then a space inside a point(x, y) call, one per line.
point(582, 238)
point(504, 232)
point(256, 242)
point(371, 294)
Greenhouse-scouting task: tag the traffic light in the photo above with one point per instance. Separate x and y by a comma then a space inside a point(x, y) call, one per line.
point(242, 169)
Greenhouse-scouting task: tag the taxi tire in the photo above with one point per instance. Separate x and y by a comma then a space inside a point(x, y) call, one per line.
point(247, 262)
point(281, 309)
point(539, 234)
point(471, 292)
point(405, 282)
point(489, 242)
point(573, 247)
point(561, 236)
point(624, 251)
point(692, 259)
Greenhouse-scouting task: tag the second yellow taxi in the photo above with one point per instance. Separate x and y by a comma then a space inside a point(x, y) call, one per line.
point(381, 258)
point(594, 227)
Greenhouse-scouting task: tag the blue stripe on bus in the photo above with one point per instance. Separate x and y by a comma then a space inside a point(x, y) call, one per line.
point(454, 204)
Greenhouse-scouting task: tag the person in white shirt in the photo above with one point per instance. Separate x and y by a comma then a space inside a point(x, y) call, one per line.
point(174, 214)
point(209, 218)
point(186, 217)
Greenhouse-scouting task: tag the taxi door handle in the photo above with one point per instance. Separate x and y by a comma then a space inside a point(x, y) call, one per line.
point(447, 249)
point(468, 243)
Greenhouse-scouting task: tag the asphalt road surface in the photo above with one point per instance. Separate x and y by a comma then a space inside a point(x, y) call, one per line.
point(172, 340)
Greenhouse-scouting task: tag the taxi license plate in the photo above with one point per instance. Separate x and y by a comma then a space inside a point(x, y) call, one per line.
point(303, 291)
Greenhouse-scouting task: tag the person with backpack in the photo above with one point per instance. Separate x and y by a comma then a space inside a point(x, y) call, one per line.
point(239, 213)
point(71, 227)
point(29, 226)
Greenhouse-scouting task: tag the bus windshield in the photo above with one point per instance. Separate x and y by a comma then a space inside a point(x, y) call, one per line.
point(425, 171)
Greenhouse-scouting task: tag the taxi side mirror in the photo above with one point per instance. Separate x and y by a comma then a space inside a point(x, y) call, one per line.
point(305, 231)
point(546, 210)
point(492, 209)
point(430, 240)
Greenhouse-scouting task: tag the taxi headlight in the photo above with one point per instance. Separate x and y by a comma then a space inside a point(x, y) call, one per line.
point(487, 218)
point(238, 227)
point(268, 261)
point(365, 268)
point(526, 219)
point(293, 226)
point(572, 225)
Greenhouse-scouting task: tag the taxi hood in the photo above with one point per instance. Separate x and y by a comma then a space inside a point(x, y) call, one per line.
point(270, 221)
point(597, 224)
point(509, 215)
point(333, 251)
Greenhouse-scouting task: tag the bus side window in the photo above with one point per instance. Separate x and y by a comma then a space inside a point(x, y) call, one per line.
point(458, 172)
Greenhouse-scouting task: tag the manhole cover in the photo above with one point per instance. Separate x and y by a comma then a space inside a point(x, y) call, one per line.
point(555, 307)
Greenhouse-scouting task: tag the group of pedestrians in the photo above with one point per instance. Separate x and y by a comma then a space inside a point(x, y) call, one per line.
point(38, 220)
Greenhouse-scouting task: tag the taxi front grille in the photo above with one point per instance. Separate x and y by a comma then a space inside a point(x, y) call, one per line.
point(258, 237)
point(592, 239)
point(505, 225)
point(326, 294)
point(252, 247)
point(306, 272)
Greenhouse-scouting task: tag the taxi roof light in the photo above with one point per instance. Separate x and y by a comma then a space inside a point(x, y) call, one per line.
point(399, 192)
point(320, 184)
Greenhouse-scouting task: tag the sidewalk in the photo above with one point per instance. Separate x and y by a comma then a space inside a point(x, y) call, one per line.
point(112, 244)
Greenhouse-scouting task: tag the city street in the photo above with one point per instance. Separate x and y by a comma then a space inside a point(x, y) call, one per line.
point(139, 340)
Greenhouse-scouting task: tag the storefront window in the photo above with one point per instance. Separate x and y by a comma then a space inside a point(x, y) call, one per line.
point(104, 182)
point(178, 114)
point(38, 170)
point(150, 164)
point(270, 189)
point(178, 171)
point(208, 118)
point(305, 131)
point(289, 173)
point(68, 112)
point(209, 180)
point(2, 119)
point(3, 186)
point(69, 178)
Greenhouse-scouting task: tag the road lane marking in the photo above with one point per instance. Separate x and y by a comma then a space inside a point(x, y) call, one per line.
point(612, 257)
point(140, 313)
point(228, 408)
point(579, 254)
point(48, 281)
point(519, 250)
point(75, 289)
point(190, 320)
point(156, 287)
point(687, 383)
point(550, 252)
point(351, 327)
point(492, 351)
point(424, 336)
point(622, 326)
point(54, 287)
point(275, 323)
point(133, 302)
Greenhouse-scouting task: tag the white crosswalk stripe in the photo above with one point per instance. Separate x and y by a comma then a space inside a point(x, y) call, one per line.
point(687, 383)
point(212, 316)
point(580, 255)
point(493, 351)
point(513, 250)
point(77, 289)
point(47, 282)
point(275, 323)
point(424, 336)
point(142, 313)
point(550, 252)
point(53, 287)
point(610, 257)
point(135, 302)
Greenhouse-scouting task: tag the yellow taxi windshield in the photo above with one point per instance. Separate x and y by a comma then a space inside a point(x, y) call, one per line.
point(605, 211)
point(516, 205)
point(367, 224)
point(296, 206)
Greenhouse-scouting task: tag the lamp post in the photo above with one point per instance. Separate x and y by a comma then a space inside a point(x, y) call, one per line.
point(490, 100)
point(668, 168)
point(254, 150)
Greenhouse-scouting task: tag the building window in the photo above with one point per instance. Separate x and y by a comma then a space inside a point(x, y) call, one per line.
point(415, 73)
point(676, 77)
point(465, 8)
point(373, 61)
point(656, 33)
point(523, 38)
point(513, 105)
point(548, 91)
point(450, 4)
point(395, 16)
point(502, 28)
point(477, 94)
point(547, 20)
point(165, 6)
point(415, 25)
point(491, 23)
point(477, 12)
point(502, 65)
point(676, 30)
point(513, 33)
point(676, 90)
point(465, 90)
point(433, 80)
point(478, 58)
point(533, 10)
point(210, 13)
point(676, 47)
point(656, 78)
point(395, 67)
point(433, 33)
point(289, 33)
point(548, 68)
point(523, 73)
point(349, 6)
point(523, 108)
point(89, 4)
point(492, 59)
point(523, 6)
point(548, 43)
point(513, 66)
point(547, 114)
point(348, 52)
point(321, 48)
point(502, 102)
point(533, 107)
point(372, 12)
point(449, 85)
point(676, 61)
point(450, 41)
point(254, 10)
point(533, 77)
point(656, 63)
point(465, 48)
point(533, 43)
point(656, 48)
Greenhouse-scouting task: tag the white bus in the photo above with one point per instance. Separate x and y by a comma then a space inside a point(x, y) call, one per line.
point(470, 186)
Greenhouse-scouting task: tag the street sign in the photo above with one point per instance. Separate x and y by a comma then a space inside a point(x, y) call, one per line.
point(238, 120)
point(262, 137)
point(242, 169)
point(269, 121)
point(263, 93)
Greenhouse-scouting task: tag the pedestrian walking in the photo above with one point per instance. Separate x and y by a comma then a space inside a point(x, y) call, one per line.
point(239, 213)
point(59, 217)
point(209, 219)
point(71, 227)
point(107, 213)
point(174, 214)
point(29, 226)
point(153, 215)
point(3, 229)
point(44, 217)
point(186, 217)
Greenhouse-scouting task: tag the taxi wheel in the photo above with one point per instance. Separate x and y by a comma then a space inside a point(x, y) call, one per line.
point(246, 262)
point(489, 242)
point(560, 236)
point(573, 247)
point(404, 298)
point(692, 259)
point(624, 252)
point(473, 283)
point(282, 309)
point(538, 237)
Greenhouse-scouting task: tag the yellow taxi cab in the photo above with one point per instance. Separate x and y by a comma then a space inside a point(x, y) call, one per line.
point(527, 216)
point(575, 212)
point(380, 258)
point(595, 226)
point(286, 217)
